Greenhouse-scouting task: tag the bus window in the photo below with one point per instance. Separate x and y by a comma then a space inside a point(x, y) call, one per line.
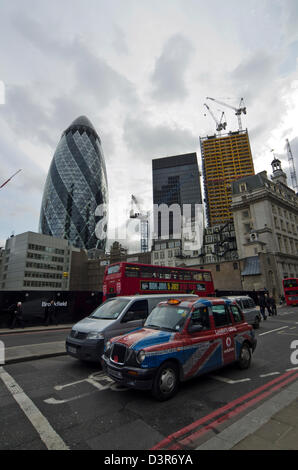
point(113, 269)
point(290, 283)
point(131, 271)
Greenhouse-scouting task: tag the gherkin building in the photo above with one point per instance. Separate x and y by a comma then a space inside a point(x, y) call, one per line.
point(75, 197)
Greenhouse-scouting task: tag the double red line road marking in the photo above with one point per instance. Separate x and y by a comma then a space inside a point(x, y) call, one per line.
point(187, 437)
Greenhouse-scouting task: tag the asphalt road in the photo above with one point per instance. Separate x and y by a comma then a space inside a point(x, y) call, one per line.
point(62, 403)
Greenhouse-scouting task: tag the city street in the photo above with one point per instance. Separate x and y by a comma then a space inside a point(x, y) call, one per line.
point(61, 403)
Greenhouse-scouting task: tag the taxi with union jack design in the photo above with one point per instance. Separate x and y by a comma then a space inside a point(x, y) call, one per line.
point(181, 339)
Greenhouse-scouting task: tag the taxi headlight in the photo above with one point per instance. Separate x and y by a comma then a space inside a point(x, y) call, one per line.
point(141, 356)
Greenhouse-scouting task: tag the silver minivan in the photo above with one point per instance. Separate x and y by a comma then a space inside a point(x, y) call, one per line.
point(116, 316)
point(251, 313)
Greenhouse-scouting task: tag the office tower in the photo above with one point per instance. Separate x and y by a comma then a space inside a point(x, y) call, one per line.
point(36, 262)
point(75, 186)
point(224, 159)
point(176, 180)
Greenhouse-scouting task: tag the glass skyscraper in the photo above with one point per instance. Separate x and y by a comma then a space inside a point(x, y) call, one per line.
point(176, 180)
point(76, 185)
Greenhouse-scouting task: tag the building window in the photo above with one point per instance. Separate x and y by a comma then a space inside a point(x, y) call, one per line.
point(217, 267)
point(235, 265)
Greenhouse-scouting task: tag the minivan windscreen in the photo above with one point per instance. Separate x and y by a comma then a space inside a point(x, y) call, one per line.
point(110, 310)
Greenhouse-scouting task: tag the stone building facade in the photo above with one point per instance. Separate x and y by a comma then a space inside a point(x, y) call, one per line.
point(265, 215)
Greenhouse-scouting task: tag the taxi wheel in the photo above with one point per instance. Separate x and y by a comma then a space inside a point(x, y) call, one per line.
point(166, 381)
point(244, 357)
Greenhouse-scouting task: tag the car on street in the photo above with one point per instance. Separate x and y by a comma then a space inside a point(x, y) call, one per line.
point(116, 316)
point(251, 313)
point(181, 339)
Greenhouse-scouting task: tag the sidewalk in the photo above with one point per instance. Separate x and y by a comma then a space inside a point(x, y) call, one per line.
point(31, 352)
point(271, 426)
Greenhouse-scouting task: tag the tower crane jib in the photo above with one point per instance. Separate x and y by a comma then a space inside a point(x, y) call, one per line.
point(238, 111)
point(144, 223)
point(220, 125)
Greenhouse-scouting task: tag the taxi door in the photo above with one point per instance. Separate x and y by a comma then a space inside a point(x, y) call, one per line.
point(202, 352)
point(225, 331)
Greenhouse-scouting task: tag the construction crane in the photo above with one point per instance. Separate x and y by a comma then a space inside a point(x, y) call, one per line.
point(238, 111)
point(7, 181)
point(292, 166)
point(219, 124)
point(143, 217)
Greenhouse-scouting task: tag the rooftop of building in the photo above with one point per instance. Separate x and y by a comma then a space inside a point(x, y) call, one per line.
point(175, 160)
point(81, 124)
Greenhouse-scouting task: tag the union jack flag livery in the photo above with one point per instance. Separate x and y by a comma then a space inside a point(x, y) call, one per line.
point(181, 339)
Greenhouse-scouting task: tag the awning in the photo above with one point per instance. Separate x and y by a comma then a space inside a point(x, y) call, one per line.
point(251, 267)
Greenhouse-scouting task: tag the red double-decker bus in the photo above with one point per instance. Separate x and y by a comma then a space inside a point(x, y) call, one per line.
point(134, 278)
point(290, 286)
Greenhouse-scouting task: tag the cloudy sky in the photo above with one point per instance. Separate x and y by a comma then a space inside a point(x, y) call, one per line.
point(140, 70)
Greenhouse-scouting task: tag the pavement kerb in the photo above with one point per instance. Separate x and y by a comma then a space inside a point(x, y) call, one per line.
point(34, 357)
point(31, 352)
point(244, 429)
point(32, 329)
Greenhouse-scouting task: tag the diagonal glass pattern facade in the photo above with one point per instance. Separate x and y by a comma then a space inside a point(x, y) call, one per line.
point(75, 186)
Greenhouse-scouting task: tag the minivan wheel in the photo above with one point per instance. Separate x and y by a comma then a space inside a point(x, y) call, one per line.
point(256, 323)
point(244, 357)
point(166, 381)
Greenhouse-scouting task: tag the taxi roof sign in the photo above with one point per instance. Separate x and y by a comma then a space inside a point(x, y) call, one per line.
point(174, 301)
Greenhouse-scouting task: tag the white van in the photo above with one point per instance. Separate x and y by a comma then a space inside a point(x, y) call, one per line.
point(116, 316)
point(251, 313)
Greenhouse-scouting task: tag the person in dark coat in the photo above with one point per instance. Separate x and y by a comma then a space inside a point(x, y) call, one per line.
point(268, 304)
point(262, 303)
point(18, 316)
point(51, 317)
point(272, 305)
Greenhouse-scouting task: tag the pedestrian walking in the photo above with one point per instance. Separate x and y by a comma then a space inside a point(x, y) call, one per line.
point(268, 304)
point(273, 305)
point(51, 316)
point(262, 304)
point(282, 299)
point(18, 316)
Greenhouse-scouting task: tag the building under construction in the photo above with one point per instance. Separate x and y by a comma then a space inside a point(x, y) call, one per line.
point(224, 159)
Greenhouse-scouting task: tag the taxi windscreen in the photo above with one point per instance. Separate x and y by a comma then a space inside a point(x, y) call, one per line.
point(167, 317)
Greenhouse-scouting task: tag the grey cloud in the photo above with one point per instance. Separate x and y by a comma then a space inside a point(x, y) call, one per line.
point(26, 115)
point(93, 77)
point(290, 19)
point(170, 68)
point(119, 41)
point(149, 141)
point(35, 33)
point(254, 73)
